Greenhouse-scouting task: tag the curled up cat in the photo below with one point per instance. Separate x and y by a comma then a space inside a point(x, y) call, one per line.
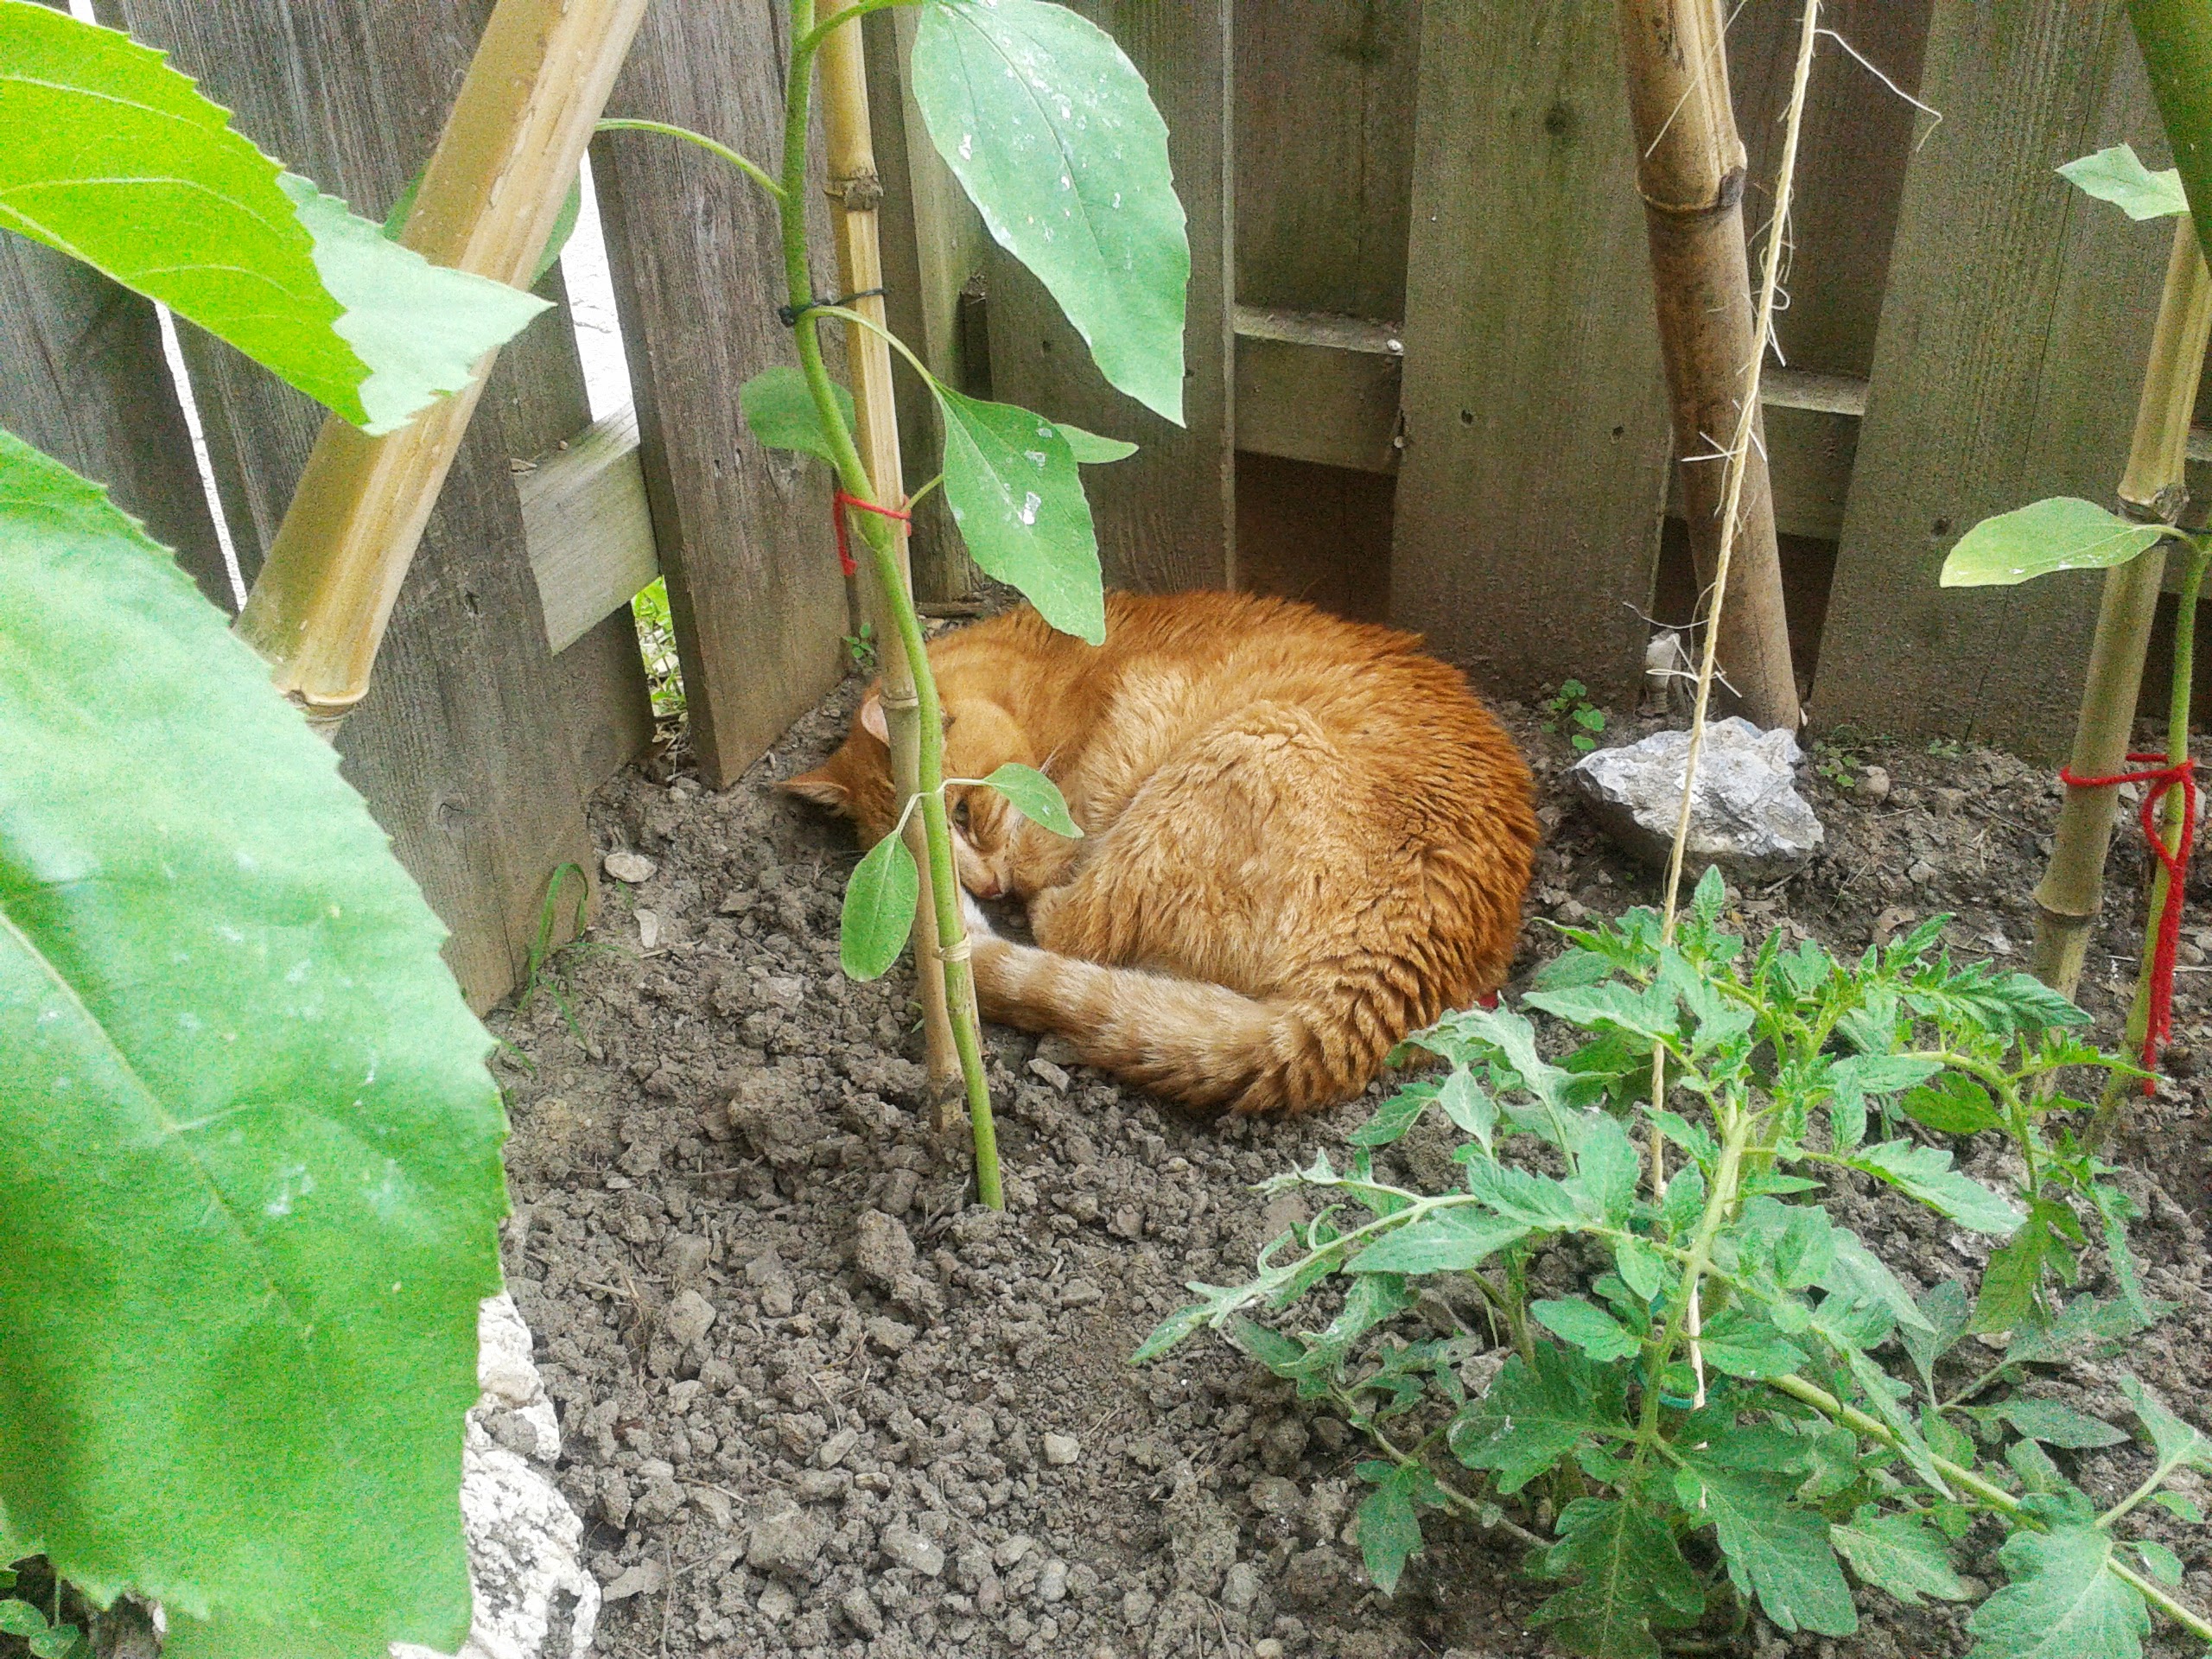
point(1304, 840)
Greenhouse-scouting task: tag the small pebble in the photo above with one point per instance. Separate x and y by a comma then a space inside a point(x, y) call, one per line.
point(631, 867)
point(1051, 1073)
point(1062, 1449)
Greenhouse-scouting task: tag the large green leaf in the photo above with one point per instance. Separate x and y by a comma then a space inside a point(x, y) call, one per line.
point(2061, 1603)
point(1900, 1554)
point(1049, 127)
point(249, 1152)
point(2064, 533)
point(1630, 1580)
point(109, 154)
point(2118, 175)
point(1011, 481)
point(1776, 1550)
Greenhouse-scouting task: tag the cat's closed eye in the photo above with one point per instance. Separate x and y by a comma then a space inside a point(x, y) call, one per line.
point(960, 814)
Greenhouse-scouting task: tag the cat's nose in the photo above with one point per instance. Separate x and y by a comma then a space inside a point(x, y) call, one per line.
point(986, 887)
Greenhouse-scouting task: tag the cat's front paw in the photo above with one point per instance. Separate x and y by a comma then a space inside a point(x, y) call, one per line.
point(979, 924)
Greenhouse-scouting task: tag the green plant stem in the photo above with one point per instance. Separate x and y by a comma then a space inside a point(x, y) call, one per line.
point(811, 40)
point(758, 174)
point(2138, 1015)
point(879, 538)
point(1736, 1134)
point(2158, 1479)
point(1995, 1497)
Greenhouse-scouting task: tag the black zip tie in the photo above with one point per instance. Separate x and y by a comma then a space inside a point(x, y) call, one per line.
point(790, 315)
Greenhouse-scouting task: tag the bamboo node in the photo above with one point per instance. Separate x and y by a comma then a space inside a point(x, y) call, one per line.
point(959, 952)
point(1726, 199)
point(2163, 508)
point(859, 193)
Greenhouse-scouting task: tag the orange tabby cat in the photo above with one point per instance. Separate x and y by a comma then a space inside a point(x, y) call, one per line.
point(1305, 839)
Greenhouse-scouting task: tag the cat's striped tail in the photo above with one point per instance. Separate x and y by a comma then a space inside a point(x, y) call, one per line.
point(1201, 1044)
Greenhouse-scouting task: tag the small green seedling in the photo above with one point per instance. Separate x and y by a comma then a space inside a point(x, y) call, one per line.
point(1572, 707)
point(1837, 761)
point(1696, 1392)
point(46, 1638)
point(860, 647)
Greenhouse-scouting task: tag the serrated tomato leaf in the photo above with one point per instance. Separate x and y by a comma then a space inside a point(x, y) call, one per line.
point(1900, 1554)
point(2061, 1603)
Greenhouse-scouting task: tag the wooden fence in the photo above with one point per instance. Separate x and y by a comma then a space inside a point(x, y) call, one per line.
point(1423, 381)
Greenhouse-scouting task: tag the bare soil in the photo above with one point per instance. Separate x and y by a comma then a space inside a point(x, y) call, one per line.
point(815, 1401)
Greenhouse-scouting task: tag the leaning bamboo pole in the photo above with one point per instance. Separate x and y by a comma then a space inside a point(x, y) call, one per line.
point(854, 191)
point(1690, 171)
point(495, 184)
point(2151, 491)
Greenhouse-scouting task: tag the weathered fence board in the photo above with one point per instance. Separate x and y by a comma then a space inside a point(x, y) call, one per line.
point(465, 745)
point(85, 381)
point(1537, 439)
point(1325, 154)
point(744, 532)
point(2013, 337)
point(1165, 515)
point(1858, 139)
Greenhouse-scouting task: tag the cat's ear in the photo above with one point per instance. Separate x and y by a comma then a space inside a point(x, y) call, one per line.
point(872, 720)
point(819, 787)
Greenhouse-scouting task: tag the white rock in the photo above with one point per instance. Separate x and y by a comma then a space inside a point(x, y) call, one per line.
point(632, 868)
point(1062, 1448)
point(1746, 815)
point(523, 1537)
point(648, 929)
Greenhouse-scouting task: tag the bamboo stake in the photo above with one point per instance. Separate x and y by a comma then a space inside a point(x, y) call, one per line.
point(886, 561)
point(1690, 171)
point(853, 193)
point(495, 185)
point(2072, 888)
point(1740, 458)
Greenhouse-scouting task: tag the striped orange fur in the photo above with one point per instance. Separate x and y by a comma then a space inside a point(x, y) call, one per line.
point(1305, 839)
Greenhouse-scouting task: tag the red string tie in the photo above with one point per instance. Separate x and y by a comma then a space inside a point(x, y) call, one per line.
point(838, 503)
point(2160, 779)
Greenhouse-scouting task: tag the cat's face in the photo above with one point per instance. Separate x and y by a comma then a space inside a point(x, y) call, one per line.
point(979, 737)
